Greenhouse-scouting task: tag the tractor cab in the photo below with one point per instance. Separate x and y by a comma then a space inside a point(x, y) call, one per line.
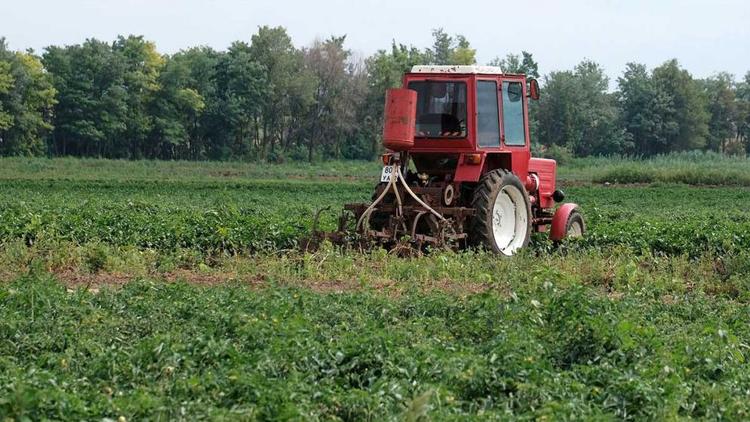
point(471, 119)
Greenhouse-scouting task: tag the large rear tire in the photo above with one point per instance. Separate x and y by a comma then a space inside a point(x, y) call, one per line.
point(502, 213)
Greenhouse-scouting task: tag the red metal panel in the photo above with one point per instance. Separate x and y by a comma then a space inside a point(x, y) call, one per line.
point(468, 172)
point(546, 170)
point(520, 162)
point(399, 119)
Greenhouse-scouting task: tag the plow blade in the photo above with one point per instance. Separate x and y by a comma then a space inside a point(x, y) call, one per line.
point(387, 226)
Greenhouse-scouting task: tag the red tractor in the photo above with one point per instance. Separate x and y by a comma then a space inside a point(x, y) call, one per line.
point(459, 171)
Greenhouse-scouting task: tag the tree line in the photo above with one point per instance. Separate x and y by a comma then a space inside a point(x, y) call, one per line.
point(268, 100)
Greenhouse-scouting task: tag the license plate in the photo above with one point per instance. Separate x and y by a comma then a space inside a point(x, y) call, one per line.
point(385, 176)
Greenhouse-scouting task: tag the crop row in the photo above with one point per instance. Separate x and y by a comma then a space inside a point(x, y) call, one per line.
point(253, 216)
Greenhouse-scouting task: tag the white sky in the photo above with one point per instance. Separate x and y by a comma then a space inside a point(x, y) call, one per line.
point(705, 36)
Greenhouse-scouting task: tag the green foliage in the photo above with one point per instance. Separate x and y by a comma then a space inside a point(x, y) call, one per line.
point(90, 115)
point(6, 83)
point(668, 110)
point(513, 63)
point(447, 50)
point(267, 100)
point(291, 86)
point(743, 112)
point(643, 318)
point(723, 109)
point(561, 154)
point(646, 108)
point(217, 215)
point(693, 168)
point(26, 100)
point(689, 107)
point(546, 350)
point(577, 112)
point(95, 257)
point(341, 86)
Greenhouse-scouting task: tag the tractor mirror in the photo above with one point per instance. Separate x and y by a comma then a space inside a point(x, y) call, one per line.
point(533, 89)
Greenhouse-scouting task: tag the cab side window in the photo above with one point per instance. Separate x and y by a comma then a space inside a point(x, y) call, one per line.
point(488, 126)
point(515, 130)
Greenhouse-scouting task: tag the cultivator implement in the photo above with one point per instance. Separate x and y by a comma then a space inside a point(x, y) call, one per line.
point(400, 214)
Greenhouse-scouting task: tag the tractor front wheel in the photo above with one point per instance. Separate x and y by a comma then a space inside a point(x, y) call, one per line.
point(502, 218)
point(575, 227)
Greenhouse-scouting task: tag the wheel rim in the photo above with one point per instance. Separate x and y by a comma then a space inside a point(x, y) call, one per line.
point(575, 229)
point(509, 220)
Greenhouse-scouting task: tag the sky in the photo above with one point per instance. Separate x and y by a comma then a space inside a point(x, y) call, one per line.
point(705, 36)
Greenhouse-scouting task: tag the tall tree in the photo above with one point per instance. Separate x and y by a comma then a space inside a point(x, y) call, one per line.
point(513, 63)
point(645, 111)
point(576, 111)
point(722, 109)
point(462, 53)
point(244, 86)
point(196, 69)
point(176, 111)
point(688, 110)
point(92, 106)
point(6, 83)
point(340, 85)
point(743, 112)
point(142, 66)
point(440, 53)
point(449, 50)
point(26, 100)
point(287, 83)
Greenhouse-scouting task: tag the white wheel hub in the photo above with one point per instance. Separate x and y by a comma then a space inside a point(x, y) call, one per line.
point(510, 219)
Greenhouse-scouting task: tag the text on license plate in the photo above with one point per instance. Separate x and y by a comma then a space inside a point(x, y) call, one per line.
point(385, 176)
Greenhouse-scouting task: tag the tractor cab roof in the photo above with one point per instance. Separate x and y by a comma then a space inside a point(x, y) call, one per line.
point(461, 69)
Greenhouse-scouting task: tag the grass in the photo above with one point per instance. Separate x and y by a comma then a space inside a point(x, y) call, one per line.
point(149, 290)
point(15, 168)
point(703, 169)
point(692, 168)
point(212, 217)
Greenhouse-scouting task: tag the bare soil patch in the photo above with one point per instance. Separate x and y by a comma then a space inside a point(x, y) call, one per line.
point(391, 288)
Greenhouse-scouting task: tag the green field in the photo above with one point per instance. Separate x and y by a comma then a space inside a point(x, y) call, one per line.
point(173, 290)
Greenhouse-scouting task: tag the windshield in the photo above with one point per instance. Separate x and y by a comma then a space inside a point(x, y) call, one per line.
point(441, 109)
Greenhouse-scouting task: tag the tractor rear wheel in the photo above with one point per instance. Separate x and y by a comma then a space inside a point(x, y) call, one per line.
point(502, 218)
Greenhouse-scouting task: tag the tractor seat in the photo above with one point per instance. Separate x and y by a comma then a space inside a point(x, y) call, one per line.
point(439, 124)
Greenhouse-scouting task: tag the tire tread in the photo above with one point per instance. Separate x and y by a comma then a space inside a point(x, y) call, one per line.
point(480, 229)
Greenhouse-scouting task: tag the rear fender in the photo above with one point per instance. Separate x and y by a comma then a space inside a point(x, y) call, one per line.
point(560, 219)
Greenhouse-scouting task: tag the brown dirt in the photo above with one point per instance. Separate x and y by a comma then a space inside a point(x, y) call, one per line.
point(327, 178)
point(94, 282)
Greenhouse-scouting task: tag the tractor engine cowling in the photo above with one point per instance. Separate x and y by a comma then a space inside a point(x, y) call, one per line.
point(399, 120)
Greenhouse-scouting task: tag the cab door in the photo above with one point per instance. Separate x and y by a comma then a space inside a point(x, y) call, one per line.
point(515, 135)
point(488, 114)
